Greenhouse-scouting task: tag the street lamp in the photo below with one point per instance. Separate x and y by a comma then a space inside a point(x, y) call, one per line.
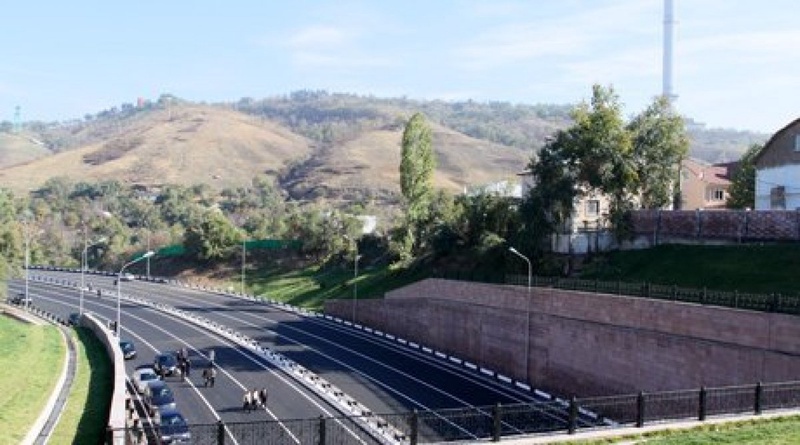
point(527, 311)
point(355, 275)
point(27, 234)
point(148, 254)
point(244, 256)
point(85, 265)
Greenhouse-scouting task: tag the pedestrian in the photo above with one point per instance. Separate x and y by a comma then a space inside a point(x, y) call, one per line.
point(213, 375)
point(263, 397)
point(254, 398)
point(187, 365)
point(206, 376)
point(182, 369)
point(246, 401)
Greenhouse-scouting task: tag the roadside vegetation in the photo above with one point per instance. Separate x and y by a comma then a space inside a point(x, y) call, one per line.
point(744, 268)
point(85, 415)
point(31, 360)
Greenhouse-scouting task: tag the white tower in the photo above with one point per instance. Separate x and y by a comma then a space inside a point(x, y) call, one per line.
point(669, 25)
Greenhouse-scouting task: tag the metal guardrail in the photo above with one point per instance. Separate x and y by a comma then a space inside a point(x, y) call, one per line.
point(493, 423)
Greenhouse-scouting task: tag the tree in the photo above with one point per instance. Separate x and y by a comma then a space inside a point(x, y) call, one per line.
point(659, 145)
point(213, 239)
point(742, 193)
point(417, 165)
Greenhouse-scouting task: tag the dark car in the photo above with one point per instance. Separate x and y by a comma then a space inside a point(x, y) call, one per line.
point(166, 364)
point(20, 299)
point(157, 397)
point(128, 349)
point(73, 319)
point(172, 427)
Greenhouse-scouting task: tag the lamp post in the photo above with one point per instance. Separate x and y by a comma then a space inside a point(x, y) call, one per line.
point(27, 234)
point(527, 311)
point(148, 254)
point(355, 274)
point(85, 265)
point(244, 259)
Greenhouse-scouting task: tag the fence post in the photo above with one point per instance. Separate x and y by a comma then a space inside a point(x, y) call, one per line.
point(496, 425)
point(220, 433)
point(321, 430)
point(414, 428)
point(701, 412)
point(759, 395)
point(640, 409)
point(573, 415)
point(703, 295)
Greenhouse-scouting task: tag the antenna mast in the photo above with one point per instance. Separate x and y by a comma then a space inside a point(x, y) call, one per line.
point(669, 25)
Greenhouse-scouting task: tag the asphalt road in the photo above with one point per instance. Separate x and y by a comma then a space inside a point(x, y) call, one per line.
point(389, 378)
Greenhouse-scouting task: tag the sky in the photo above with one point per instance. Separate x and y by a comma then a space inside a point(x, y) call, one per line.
point(736, 63)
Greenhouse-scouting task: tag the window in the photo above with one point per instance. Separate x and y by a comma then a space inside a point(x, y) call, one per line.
point(718, 195)
point(797, 142)
point(592, 207)
point(777, 198)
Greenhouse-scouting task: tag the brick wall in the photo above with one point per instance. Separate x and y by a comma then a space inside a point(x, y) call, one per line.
point(588, 344)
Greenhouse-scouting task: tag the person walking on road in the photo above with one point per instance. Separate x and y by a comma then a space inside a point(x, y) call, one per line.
point(254, 399)
point(262, 397)
point(187, 366)
point(246, 401)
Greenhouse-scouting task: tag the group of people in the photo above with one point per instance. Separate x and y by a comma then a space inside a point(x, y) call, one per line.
point(254, 399)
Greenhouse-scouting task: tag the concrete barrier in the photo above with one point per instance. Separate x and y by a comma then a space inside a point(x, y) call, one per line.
point(117, 414)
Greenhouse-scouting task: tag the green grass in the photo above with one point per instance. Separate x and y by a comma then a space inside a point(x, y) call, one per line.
point(311, 286)
point(31, 361)
point(758, 269)
point(86, 413)
point(778, 431)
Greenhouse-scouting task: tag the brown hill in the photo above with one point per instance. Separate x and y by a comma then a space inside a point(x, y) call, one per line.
point(188, 144)
point(192, 144)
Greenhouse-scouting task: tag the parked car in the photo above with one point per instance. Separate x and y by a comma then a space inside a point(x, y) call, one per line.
point(172, 427)
point(158, 396)
point(73, 319)
point(128, 349)
point(166, 364)
point(142, 377)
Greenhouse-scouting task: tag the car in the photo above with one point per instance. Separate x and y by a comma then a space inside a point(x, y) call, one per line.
point(127, 277)
point(73, 319)
point(142, 377)
point(172, 427)
point(20, 299)
point(158, 396)
point(166, 364)
point(128, 349)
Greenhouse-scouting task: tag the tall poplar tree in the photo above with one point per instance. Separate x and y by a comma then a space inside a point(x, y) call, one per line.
point(417, 164)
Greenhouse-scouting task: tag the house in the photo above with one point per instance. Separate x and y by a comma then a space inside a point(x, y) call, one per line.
point(778, 170)
point(704, 185)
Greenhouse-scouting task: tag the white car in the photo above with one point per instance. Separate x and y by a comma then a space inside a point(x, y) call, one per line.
point(127, 277)
point(142, 378)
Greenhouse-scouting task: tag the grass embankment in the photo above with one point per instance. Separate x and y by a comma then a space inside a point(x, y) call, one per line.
point(757, 269)
point(311, 286)
point(777, 431)
point(85, 416)
point(31, 361)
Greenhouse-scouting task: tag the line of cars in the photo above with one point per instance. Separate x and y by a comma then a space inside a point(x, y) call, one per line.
point(159, 400)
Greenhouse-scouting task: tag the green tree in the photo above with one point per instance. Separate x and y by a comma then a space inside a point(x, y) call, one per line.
point(742, 193)
point(214, 238)
point(659, 145)
point(417, 164)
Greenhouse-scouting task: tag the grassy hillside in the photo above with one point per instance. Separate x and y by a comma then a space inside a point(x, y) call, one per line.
point(752, 268)
point(19, 148)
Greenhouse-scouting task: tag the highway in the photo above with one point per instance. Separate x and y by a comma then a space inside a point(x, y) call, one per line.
point(389, 378)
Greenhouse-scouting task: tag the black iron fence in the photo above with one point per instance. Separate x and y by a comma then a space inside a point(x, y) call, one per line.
point(499, 421)
point(774, 302)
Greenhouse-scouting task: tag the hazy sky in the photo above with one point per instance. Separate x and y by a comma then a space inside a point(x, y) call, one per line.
point(737, 63)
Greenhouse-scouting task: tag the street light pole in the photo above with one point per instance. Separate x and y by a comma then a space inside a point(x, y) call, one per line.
point(148, 254)
point(355, 279)
point(85, 264)
point(244, 256)
point(527, 312)
point(27, 261)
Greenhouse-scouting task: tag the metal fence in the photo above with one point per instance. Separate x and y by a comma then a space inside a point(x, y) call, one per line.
point(496, 422)
point(775, 302)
